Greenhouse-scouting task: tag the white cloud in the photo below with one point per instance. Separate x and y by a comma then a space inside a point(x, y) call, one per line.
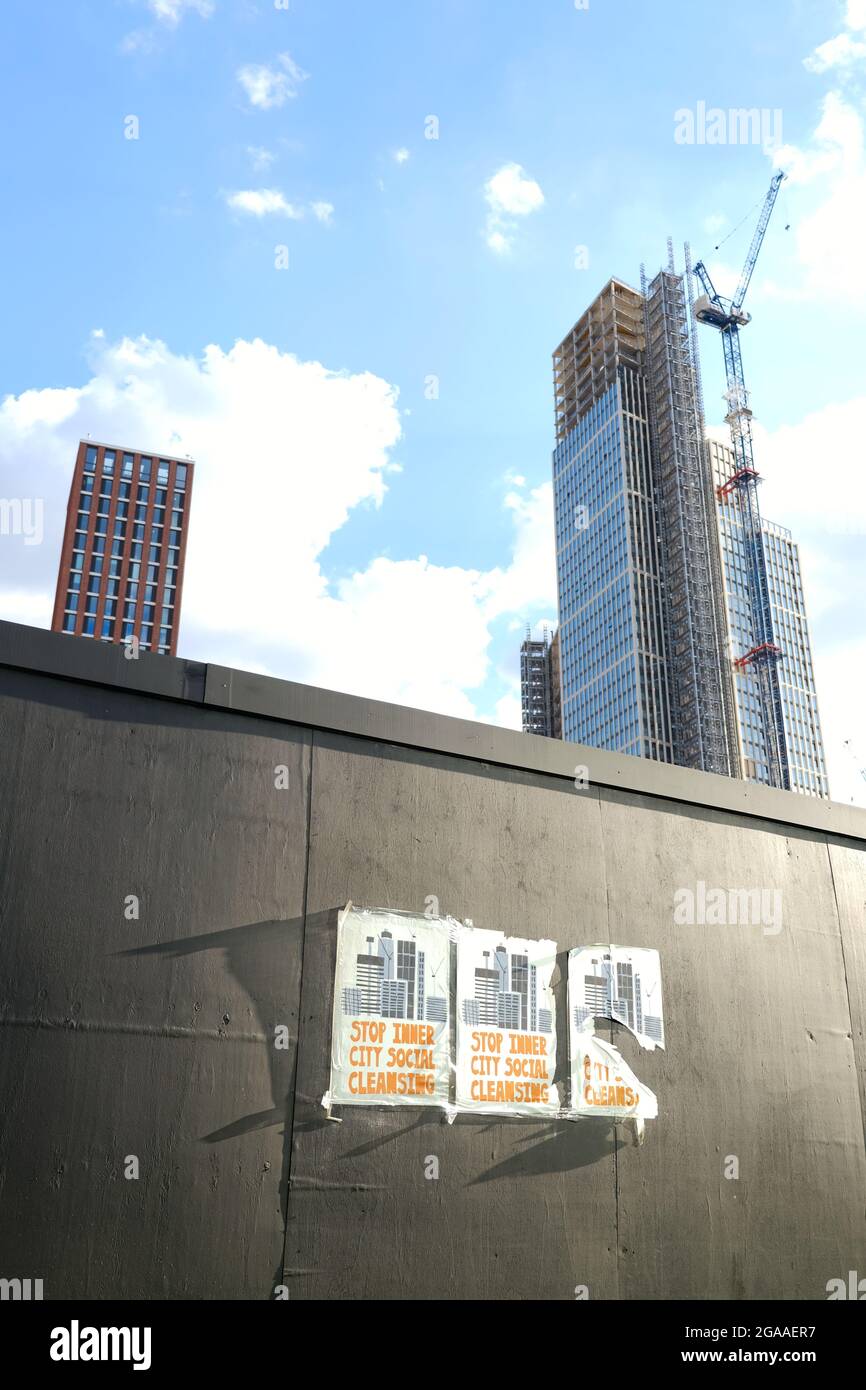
point(32, 607)
point(51, 406)
point(836, 146)
point(827, 188)
point(715, 223)
point(262, 202)
point(171, 11)
point(139, 41)
point(508, 710)
point(787, 456)
point(840, 702)
point(168, 13)
point(843, 51)
point(259, 202)
point(260, 158)
point(401, 156)
point(828, 522)
point(266, 87)
point(509, 194)
point(826, 199)
point(530, 577)
point(510, 191)
point(285, 451)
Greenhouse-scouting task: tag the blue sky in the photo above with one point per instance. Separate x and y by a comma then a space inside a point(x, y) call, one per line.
point(399, 268)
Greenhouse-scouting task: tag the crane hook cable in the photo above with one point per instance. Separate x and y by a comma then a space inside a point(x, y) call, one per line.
point(740, 223)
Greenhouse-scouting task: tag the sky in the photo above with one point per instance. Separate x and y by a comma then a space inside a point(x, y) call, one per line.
point(327, 250)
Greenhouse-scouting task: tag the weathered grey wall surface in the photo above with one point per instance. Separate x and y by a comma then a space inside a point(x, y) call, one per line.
point(154, 1036)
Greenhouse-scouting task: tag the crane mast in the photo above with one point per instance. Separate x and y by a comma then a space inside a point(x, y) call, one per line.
point(741, 490)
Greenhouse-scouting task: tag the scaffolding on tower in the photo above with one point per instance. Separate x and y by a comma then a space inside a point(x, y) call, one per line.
point(701, 699)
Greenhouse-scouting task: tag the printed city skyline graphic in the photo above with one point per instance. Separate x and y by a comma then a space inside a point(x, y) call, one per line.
point(625, 988)
point(506, 995)
point(391, 982)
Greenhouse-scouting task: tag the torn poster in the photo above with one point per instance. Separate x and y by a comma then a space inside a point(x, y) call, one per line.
point(506, 1029)
point(390, 1039)
point(619, 982)
point(602, 1084)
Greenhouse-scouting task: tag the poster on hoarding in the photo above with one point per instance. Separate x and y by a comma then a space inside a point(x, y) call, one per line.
point(623, 983)
point(506, 1024)
point(619, 982)
point(390, 1039)
point(602, 1084)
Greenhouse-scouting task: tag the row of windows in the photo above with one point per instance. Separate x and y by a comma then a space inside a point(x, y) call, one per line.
point(111, 628)
point(124, 494)
point(118, 549)
point(121, 510)
point(95, 585)
point(109, 461)
point(120, 525)
point(115, 569)
point(91, 604)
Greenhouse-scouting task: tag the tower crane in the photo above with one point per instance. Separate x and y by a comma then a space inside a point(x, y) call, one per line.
point(741, 489)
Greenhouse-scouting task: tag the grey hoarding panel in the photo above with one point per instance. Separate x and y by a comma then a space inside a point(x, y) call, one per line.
point(168, 1019)
point(103, 663)
point(82, 659)
point(848, 867)
point(333, 711)
point(118, 779)
point(203, 1220)
point(520, 1209)
point(758, 1066)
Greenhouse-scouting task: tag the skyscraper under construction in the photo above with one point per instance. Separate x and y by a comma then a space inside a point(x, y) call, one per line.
point(647, 624)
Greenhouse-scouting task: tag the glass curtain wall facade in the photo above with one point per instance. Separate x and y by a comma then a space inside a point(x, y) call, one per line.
point(614, 686)
point(804, 746)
